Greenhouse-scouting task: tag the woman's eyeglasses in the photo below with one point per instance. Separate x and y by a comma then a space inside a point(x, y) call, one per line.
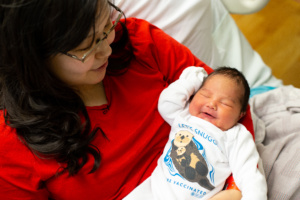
point(88, 53)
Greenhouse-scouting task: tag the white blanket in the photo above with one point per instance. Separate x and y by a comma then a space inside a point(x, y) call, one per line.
point(208, 30)
point(276, 118)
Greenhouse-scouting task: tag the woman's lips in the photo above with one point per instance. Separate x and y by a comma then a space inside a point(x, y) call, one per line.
point(104, 66)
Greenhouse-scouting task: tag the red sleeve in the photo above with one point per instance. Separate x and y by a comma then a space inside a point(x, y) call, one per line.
point(171, 56)
point(19, 177)
point(247, 122)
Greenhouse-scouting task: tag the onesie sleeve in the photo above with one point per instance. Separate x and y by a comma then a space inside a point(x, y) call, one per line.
point(243, 161)
point(175, 97)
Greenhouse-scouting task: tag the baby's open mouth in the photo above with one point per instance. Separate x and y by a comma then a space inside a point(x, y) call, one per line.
point(209, 115)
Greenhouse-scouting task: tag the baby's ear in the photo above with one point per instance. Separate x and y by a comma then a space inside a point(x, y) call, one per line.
point(242, 115)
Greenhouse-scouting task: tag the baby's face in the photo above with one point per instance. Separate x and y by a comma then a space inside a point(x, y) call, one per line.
point(218, 102)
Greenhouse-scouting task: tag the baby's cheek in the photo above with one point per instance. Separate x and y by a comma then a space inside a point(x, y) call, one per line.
point(192, 108)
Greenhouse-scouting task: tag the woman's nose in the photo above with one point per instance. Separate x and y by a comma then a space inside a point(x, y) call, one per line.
point(104, 50)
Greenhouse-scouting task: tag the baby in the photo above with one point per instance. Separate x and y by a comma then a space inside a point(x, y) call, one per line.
point(206, 142)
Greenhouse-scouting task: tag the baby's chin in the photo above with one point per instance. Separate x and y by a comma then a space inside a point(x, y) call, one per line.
point(212, 120)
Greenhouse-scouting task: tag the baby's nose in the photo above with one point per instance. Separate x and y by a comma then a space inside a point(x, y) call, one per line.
point(212, 105)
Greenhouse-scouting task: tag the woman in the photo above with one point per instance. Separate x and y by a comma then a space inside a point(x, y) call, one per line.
point(79, 99)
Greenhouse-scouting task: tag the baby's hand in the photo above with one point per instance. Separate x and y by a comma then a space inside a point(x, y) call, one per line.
point(194, 76)
point(193, 73)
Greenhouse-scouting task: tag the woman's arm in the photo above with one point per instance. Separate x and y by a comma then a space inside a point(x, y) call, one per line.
point(228, 195)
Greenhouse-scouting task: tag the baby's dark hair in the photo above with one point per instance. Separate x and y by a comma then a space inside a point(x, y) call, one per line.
point(240, 79)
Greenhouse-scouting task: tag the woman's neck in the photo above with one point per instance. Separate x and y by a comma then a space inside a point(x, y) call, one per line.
point(93, 95)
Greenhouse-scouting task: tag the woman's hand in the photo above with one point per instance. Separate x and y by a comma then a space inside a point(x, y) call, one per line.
point(227, 195)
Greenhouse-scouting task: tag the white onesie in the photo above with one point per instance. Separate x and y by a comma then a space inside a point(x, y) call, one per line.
point(199, 156)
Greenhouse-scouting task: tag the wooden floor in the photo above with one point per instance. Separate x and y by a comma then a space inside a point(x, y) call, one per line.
point(274, 32)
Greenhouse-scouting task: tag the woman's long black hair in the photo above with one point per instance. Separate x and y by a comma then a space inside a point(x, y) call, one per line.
point(48, 115)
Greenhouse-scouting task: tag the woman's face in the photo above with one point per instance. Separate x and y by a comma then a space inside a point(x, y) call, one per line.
point(77, 74)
